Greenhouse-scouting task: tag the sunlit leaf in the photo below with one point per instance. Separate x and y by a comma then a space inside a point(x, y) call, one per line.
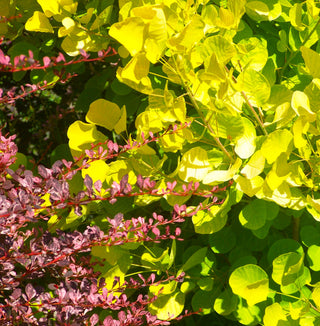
point(104, 113)
point(312, 61)
point(279, 141)
point(194, 165)
point(168, 306)
point(250, 282)
point(130, 33)
point(39, 23)
point(301, 105)
point(81, 134)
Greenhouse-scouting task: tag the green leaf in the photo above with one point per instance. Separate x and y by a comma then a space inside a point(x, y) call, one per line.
point(205, 284)
point(210, 221)
point(316, 295)
point(226, 302)
point(203, 300)
point(251, 283)
point(254, 215)
point(309, 235)
point(218, 243)
point(167, 307)
point(283, 246)
point(313, 257)
point(39, 23)
point(287, 268)
point(277, 142)
point(275, 316)
point(195, 259)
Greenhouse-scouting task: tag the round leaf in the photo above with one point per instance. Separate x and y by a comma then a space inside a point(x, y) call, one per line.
point(251, 283)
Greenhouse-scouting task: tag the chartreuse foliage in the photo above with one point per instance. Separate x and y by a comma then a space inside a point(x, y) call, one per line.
point(230, 92)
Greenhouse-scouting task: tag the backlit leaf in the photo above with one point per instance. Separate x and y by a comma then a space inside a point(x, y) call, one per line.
point(245, 145)
point(301, 105)
point(287, 268)
point(277, 142)
point(130, 33)
point(312, 61)
point(104, 113)
point(255, 85)
point(275, 316)
point(226, 302)
point(39, 23)
point(82, 134)
point(168, 306)
point(194, 165)
point(255, 165)
point(251, 283)
point(210, 221)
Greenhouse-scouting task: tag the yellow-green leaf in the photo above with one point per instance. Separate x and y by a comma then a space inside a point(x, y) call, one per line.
point(39, 23)
point(81, 135)
point(301, 105)
point(313, 93)
point(250, 282)
point(252, 54)
point(104, 113)
point(249, 186)
point(209, 221)
point(312, 61)
point(245, 145)
point(255, 85)
point(316, 295)
point(50, 8)
point(189, 36)
point(96, 171)
point(255, 165)
point(130, 33)
point(135, 74)
point(121, 125)
point(218, 176)
point(279, 141)
point(156, 34)
point(295, 15)
point(275, 315)
point(194, 165)
point(167, 307)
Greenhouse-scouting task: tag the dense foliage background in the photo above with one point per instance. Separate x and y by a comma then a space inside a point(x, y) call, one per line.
point(165, 163)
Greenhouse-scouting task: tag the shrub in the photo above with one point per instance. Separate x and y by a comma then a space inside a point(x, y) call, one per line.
point(211, 128)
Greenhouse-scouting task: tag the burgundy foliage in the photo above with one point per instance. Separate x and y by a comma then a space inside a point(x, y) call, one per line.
point(49, 279)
